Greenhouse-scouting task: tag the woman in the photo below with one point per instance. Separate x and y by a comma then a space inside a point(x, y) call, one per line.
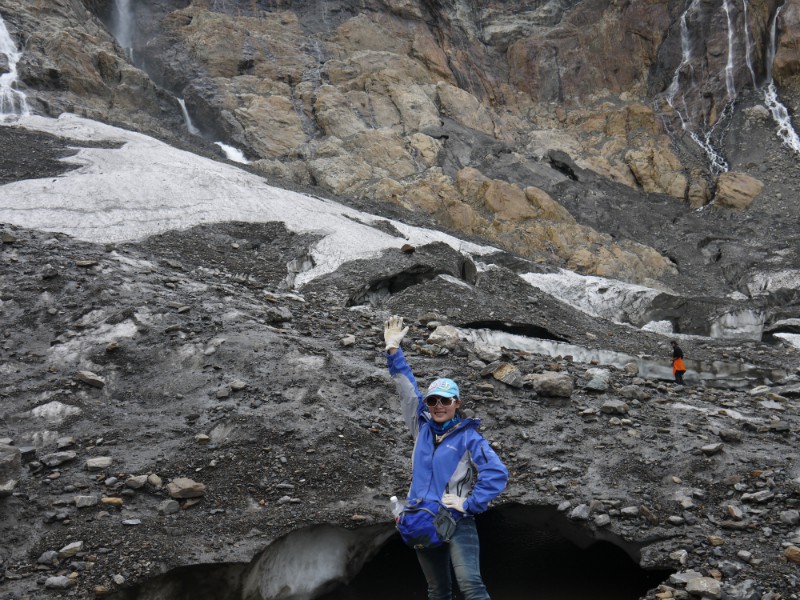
point(452, 464)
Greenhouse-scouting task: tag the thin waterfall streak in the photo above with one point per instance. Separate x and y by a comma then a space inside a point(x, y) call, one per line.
point(780, 114)
point(12, 101)
point(729, 83)
point(686, 57)
point(187, 119)
point(122, 23)
point(773, 27)
point(748, 46)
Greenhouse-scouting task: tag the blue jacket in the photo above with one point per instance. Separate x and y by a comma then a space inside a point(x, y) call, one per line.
point(463, 463)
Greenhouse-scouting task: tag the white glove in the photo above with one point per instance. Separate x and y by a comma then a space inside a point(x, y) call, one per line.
point(394, 332)
point(453, 501)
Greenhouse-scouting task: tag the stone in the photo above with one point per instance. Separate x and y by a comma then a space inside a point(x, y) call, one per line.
point(614, 407)
point(136, 482)
point(60, 582)
point(705, 587)
point(58, 458)
point(90, 379)
point(183, 487)
point(445, 336)
point(71, 549)
point(169, 507)
point(792, 554)
point(85, 501)
point(98, 463)
point(551, 384)
point(712, 449)
point(49, 557)
point(737, 190)
point(580, 512)
point(598, 380)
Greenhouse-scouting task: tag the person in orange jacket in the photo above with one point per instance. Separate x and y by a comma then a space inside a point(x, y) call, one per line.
point(678, 368)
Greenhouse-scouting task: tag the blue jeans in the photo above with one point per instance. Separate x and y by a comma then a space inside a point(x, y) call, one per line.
point(463, 553)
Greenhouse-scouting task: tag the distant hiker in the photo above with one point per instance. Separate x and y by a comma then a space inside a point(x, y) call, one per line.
point(678, 368)
point(455, 474)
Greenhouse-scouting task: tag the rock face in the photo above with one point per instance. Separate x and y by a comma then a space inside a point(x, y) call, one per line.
point(391, 101)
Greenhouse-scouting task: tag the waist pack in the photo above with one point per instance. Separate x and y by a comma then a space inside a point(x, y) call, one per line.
point(423, 524)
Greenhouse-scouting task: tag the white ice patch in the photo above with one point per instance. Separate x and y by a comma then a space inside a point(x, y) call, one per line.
point(766, 282)
point(742, 324)
point(147, 187)
point(596, 296)
point(303, 564)
point(233, 154)
point(793, 339)
point(54, 412)
point(663, 327)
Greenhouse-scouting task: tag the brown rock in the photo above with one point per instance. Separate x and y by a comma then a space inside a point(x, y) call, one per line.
point(737, 190)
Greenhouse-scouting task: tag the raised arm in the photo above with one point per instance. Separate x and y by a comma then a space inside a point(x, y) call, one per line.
point(412, 405)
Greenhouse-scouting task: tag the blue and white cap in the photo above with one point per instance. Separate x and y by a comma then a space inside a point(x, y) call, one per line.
point(446, 388)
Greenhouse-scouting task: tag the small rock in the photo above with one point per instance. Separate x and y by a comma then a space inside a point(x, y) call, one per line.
point(58, 583)
point(169, 507)
point(712, 449)
point(58, 458)
point(136, 482)
point(70, 549)
point(183, 487)
point(705, 587)
point(792, 554)
point(85, 501)
point(98, 463)
point(91, 379)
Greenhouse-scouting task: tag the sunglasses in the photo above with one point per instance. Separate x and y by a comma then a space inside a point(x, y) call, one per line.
point(432, 401)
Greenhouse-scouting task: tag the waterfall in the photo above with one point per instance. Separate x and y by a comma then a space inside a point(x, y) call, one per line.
point(779, 112)
point(730, 86)
point(748, 45)
point(122, 24)
point(187, 119)
point(12, 101)
point(704, 138)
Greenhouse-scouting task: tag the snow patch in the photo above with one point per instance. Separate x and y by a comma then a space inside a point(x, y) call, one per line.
point(147, 187)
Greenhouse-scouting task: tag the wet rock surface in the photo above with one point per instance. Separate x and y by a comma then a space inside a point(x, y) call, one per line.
point(233, 411)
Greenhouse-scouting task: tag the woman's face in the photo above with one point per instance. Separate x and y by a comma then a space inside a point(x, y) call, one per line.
point(439, 411)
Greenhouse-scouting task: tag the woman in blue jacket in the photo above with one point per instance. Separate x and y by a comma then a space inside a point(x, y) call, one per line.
point(452, 464)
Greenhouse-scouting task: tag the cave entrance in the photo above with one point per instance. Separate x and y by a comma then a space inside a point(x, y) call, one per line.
point(526, 552)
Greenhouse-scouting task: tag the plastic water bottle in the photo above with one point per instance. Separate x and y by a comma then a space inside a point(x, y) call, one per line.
point(396, 506)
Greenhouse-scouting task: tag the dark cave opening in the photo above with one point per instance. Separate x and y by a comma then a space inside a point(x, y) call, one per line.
point(526, 552)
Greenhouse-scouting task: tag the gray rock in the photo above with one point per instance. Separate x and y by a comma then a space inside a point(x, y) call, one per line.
point(98, 463)
point(60, 582)
point(705, 587)
point(553, 384)
point(615, 407)
point(85, 501)
point(169, 507)
point(90, 379)
point(598, 380)
point(58, 458)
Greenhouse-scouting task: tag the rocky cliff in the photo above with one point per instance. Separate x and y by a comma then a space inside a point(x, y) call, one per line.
point(455, 109)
